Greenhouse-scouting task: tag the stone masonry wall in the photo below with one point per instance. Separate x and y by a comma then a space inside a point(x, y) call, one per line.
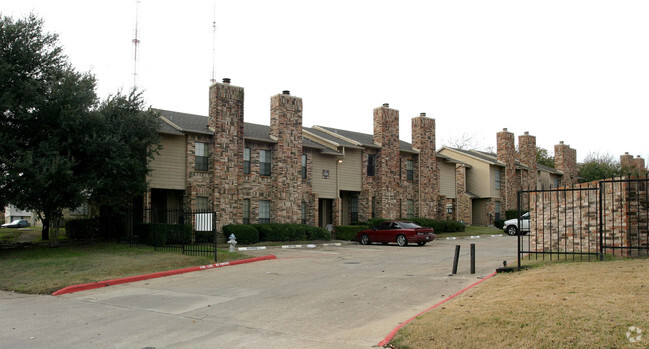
point(527, 157)
point(423, 139)
point(564, 221)
point(198, 183)
point(386, 134)
point(506, 153)
point(565, 160)
point(226, 120)
point(463, 200)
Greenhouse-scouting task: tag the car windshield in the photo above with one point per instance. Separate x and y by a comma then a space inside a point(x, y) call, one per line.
point(16, 221)
point(409, 225)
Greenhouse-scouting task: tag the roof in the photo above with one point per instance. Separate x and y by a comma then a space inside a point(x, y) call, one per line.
point(548, 169)
point(366, 140)
point(184, 122)
point(451, 160)
point(488, 157)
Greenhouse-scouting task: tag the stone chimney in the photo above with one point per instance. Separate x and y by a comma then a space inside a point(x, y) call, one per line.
point(387, 179)
point(627, 163)
point(527, 157)
point(226, 121)
point(423, 139)
point(286, 127)
point(565, 160)
point(640, 165)
point(506, 154)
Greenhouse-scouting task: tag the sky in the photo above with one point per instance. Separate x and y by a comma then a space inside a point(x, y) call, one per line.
point(572, 71)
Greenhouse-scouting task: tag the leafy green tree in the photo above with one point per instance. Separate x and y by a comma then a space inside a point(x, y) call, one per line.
point(58, 147)
point(598, 166)
point(544, 157)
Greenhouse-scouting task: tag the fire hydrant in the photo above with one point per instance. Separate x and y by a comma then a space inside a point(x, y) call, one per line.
point(232, 242)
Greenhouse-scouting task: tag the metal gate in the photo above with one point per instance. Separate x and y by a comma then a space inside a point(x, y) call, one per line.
point(587, 221)
point(190, 232)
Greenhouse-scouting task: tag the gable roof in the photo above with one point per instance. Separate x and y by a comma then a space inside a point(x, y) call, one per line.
point(364, 139)
point(184, 122)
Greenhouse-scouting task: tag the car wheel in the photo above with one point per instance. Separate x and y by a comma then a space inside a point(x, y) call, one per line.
point(421, 243)
point(365, 239)
point(512, 230)
point(401, 240)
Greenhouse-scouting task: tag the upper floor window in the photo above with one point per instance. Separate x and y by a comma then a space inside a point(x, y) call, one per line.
point(246, 211)
point(410, 170)
point(264, 162)
point(497, 175)
point(201, 156)
point(246, 160)
point(303, 166)
point(410, 209)
point(264, 211)
point(371, 164)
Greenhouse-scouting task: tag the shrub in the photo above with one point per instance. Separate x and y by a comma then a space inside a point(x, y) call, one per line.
point(375, 221)
point(245, 233)
point(348, 232)
point(82, 228)
point(160, 234)
point(499, 223)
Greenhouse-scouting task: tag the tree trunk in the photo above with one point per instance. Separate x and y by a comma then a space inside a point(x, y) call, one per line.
point(45, 233)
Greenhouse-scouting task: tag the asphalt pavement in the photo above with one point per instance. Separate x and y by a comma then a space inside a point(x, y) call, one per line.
point(350, 296)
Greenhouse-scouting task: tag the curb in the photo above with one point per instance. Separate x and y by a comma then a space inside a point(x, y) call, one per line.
point(99, 284)
point(389, 337)
point(256, 248)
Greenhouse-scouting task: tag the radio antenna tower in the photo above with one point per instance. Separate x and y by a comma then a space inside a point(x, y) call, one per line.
point(213, 80)
point(136, 42)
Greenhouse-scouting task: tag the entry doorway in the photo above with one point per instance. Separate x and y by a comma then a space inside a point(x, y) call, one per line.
point(325, 212)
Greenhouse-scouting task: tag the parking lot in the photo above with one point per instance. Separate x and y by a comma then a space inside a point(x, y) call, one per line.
point(328, 297)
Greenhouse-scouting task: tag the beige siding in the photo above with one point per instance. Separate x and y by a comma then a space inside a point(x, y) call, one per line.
point(168, 167)
point(350, 171)
point(446, 179)
point(324, 188)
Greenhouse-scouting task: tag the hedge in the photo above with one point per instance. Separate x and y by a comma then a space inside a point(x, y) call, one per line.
point(160, 234)
point(275, 232)
point(349, 232)
point(245, 234)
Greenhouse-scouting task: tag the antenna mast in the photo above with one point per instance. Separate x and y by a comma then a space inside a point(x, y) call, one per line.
point(213, 80)
point(136, 42)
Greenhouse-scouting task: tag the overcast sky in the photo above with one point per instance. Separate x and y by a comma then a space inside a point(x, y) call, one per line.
point(572, 71)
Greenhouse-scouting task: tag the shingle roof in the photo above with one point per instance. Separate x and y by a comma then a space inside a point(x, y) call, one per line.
point(186, 122)
point(257, 132)
point(548, 169)
point(367, 140)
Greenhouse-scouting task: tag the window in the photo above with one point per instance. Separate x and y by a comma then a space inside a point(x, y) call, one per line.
point(201, 156)
point(497, 209)
point(555, 182)
point(246, 160)
point(264, 162)
point(498, 178)
point(303, 166)
point(246, 211)
point(410, 209)
point(371, 164)
point(303, 212)
point(264, 211)
point(410, 170)
point(202, 203)
point(353, 207)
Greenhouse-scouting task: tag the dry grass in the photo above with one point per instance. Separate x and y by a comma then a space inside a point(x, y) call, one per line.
point(561, 305)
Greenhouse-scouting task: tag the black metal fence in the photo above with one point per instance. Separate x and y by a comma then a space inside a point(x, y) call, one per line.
point(587, 221)
point(190, 232)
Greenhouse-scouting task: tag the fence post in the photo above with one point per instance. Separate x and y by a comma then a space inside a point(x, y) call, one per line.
point(472, 258)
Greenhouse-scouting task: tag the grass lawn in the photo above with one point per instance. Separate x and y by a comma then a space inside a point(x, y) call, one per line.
point(41, 269)
point(472, 230)
point(558, 305)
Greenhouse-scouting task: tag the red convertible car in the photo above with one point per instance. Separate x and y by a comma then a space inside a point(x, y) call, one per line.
point(401, 232)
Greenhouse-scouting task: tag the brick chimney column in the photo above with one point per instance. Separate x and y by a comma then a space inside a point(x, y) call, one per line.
point(286, 125)
point(226, 120)
point(506, 153)
point(386, 134)
point(565, 160)
point(423, 139)
point(527, 157)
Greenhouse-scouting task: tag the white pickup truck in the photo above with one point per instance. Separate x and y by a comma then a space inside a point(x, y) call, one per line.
point(511, 225)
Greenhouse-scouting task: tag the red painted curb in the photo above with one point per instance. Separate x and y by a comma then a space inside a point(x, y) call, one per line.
point(99, 284)
point(389, 337)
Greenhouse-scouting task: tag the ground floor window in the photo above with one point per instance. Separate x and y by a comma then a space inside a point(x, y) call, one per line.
point(246, 211)
point(497, 209)
point(303, 212)
point(410, 209)
point(264, 211)
point(353, 207)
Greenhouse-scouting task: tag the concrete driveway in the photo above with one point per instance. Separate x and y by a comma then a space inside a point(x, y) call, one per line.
point(333, 297)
